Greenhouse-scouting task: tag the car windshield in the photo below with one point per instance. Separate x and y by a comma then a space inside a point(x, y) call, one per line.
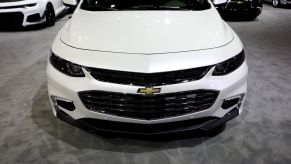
point(109, 5)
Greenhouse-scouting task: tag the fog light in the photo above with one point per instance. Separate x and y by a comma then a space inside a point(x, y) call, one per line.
point(33, 18)
point(232, 101)
point(64, 103)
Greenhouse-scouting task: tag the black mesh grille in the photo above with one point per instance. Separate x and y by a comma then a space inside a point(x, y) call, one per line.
point(148, 107)
point(149, 79)
point(11, 19)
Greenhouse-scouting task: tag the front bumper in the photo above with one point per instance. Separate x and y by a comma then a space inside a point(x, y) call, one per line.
point(93, 125)
point(21, 16)
point(68, 88)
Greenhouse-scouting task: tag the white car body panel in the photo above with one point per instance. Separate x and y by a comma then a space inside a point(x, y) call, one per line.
point(146, 42)
point(39, 8)
point(150, 63)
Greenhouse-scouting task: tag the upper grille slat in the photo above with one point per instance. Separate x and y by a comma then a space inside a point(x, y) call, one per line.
point(148, 107)
point(148, 79)
point(155, 103)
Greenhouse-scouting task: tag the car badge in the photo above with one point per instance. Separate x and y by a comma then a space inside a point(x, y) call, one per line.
point(149, 90)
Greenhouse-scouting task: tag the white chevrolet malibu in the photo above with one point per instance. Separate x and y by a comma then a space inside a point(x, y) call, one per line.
point(146, 67)
point(29, 12)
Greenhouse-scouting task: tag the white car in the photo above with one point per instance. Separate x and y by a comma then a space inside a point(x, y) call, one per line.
point(146, 67)
point(29, 12)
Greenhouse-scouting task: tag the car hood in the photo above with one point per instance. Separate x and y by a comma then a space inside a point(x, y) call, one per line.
point(146, 32)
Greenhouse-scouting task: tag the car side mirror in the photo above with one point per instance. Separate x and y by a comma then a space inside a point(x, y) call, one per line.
point(70, 3)
point(218, 2)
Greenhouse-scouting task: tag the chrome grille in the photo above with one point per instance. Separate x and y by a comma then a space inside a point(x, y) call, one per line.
point(148, 107)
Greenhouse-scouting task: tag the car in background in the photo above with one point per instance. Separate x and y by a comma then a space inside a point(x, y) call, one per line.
point(247, 9)
point(29, 12)
point(278, 3)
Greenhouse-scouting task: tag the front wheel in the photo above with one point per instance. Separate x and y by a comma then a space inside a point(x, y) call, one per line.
point(50, 15)
point(276, 3)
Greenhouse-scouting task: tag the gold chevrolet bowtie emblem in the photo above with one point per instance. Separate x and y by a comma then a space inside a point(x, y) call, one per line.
point(149, 90)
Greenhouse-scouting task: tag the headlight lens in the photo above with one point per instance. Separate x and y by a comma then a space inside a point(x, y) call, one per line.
point(30, 5)
point(229, 65)
point(66, 67)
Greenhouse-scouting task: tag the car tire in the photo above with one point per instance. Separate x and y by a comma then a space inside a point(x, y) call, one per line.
point(50, 15)
point(276, 3)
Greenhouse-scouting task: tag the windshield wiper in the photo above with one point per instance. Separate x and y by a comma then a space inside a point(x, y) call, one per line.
point(137, 8)
point(172, 8)
point(97, 8)
point(154, 8)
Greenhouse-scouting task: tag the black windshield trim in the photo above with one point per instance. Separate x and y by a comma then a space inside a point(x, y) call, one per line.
point(189, 6)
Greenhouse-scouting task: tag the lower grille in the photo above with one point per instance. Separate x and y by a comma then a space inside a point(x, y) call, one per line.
point(160, 128)
point(148, 107)
point(11, 19)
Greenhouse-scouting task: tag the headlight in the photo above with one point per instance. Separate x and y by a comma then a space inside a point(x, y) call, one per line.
point(229, 65)
point(30, 5)
point(66, 67)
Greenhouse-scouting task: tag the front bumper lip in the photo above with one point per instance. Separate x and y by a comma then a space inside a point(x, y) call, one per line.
point(206, 124)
